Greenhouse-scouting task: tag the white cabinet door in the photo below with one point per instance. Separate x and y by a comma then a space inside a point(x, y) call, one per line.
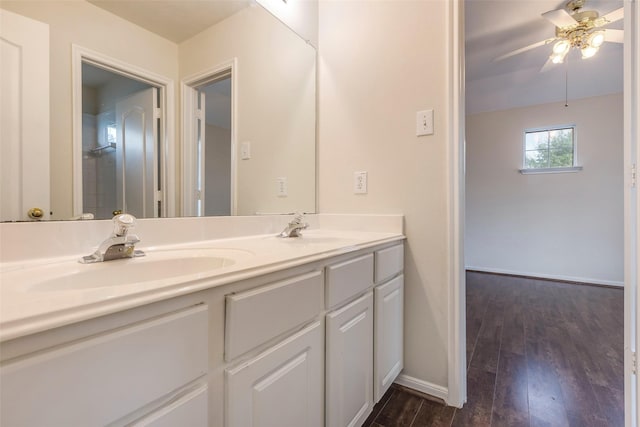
point(281, 386)
point(24, 116)
point(389, 304)
point(349, 362)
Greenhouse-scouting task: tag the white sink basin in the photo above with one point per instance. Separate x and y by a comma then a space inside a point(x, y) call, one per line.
point(159, 265)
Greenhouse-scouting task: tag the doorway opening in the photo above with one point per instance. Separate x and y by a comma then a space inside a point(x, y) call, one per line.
point(208, 143)
point(119, 145)
point(627, 213)
point(121, 151)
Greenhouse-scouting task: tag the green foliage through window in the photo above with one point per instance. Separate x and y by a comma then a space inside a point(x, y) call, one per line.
point(549, 148)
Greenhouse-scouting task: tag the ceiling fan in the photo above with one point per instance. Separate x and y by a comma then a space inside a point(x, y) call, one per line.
point(576, 28)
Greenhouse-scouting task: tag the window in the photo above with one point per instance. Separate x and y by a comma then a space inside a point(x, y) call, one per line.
point(111, 133)
point(550, 149)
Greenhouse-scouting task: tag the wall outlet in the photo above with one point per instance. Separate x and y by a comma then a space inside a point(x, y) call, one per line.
point(424, 123)
point(360, 182)
point(281, 186)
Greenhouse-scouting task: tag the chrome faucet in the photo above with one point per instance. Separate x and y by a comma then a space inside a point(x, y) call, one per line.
point(119, 245)
point(294, 227)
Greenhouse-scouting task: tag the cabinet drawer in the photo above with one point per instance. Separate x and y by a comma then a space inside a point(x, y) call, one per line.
point(389, 262)
point(348, 279)
point(100, 379)
point(189, 410)
point(256, 316)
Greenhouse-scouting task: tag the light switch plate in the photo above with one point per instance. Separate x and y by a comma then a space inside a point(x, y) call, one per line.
point(424, 123)
point(245, 151)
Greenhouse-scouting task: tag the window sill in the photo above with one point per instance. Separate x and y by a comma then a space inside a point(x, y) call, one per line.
point(550, 170)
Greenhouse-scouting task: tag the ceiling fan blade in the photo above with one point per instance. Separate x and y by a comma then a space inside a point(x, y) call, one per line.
point(523, 49)
point(615, 36)
point(614, 16)
point(560, 18)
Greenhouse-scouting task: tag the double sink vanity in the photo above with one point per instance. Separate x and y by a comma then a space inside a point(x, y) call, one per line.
point(245, 329)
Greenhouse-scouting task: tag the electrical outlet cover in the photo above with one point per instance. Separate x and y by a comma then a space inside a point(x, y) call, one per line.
point(360, 182)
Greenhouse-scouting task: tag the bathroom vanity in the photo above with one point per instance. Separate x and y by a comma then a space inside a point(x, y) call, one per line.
point(293, 332)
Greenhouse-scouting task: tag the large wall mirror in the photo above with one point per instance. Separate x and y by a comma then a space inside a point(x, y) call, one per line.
point(160, 109)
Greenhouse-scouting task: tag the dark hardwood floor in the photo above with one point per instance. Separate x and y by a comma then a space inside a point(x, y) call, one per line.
point(539, 353)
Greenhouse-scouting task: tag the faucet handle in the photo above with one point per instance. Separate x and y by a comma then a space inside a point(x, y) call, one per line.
point(122, 223)
point(297, 218)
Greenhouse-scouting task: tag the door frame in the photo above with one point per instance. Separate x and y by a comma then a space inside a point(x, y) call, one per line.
point(189, 156)
point(456, 346)
point(165, 87)
point(457, 368)
point(631, 209)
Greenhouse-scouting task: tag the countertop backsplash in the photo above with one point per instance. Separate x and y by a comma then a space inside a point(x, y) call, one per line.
point(27, 241)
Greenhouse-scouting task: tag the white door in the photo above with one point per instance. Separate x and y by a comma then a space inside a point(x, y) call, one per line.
point(137, 170)
point(281, 386)
point(24, 116)
point(349, 362)
point(388, 331)
point(201, 139)
point(194, 111)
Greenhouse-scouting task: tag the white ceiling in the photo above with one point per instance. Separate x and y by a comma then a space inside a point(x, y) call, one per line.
point(175, 20)
point(496, 27)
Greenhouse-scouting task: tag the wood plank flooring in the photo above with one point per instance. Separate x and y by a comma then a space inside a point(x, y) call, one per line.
point(539, 353)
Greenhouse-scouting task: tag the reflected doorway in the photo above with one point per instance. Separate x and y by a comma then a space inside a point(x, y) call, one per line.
point(122, 151)
point(214, 155)
point(119, 144)
point(208, 103)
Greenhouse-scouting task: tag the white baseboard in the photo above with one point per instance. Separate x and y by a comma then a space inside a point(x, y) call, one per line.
point(585, 280)
point(423, 386)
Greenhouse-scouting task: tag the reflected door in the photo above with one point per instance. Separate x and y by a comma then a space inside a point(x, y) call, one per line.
point(137, 157)
point(24, 117)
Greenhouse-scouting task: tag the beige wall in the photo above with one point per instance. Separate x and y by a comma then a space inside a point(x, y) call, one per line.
point(380, 62)
point(81, 23)
point(300, 16)
point(276, 106)
point(569, 225)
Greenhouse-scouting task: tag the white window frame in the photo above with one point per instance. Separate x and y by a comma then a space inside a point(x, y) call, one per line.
point(565, 169)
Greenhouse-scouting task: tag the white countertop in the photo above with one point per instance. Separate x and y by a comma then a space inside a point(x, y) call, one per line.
point(28, 306)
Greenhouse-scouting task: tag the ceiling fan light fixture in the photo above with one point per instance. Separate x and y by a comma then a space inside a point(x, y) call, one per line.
point(596, 39)
point(589, 51)
point(558, 58)
point(561, 47)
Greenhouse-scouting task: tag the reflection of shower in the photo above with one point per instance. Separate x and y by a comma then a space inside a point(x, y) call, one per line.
point(108, 98)
point(106, 132)
point(98, 164)
point(97, 152)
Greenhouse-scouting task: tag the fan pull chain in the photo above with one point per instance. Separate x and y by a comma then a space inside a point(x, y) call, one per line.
point(566, 83)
